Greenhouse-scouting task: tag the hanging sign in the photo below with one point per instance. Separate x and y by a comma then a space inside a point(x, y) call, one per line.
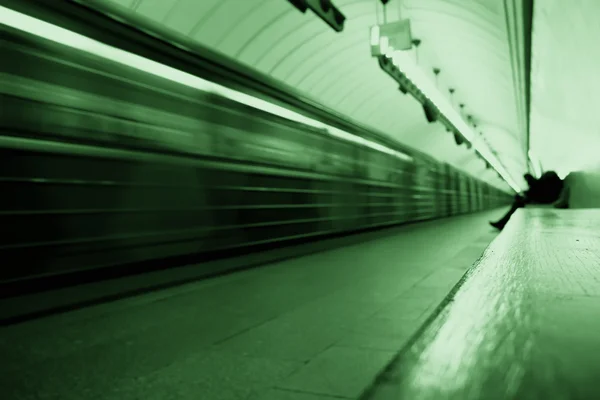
point(398, 33)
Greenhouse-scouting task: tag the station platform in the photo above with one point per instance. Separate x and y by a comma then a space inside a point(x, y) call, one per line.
point(316, 327)
point(439, 310)
point(522, 324)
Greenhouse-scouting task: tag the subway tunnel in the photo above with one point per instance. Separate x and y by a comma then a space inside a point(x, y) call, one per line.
point(290, 199)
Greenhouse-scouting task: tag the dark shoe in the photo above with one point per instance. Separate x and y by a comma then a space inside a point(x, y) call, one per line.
point(497, 225)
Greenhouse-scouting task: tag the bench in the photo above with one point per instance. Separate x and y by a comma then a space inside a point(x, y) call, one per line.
point(523, 323)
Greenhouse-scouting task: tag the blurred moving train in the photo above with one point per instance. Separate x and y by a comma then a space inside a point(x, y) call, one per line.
point(103, 165)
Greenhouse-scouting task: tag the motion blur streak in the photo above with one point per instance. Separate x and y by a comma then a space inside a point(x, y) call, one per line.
point(51, 32)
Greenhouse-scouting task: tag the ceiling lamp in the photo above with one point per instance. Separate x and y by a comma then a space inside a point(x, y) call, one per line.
point(431, 112)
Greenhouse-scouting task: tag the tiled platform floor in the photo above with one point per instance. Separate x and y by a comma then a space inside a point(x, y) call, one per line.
point(315, 327)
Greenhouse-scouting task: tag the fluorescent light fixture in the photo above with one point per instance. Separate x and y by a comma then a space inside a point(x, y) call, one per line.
point(375, 35)
point(74, 40)
point(403, 60)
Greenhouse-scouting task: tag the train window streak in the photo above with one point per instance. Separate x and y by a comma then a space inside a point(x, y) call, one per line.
point(65, 37)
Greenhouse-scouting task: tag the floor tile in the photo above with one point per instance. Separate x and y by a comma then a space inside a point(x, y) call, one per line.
point(340, 371)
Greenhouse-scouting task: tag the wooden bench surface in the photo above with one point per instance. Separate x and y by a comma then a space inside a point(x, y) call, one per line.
point(524, 323)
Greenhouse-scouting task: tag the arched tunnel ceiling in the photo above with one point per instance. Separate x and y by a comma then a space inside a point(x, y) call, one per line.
point(565, 87)
point(467, 40)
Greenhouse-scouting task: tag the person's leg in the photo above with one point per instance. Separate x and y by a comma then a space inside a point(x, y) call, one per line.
point(519, 202)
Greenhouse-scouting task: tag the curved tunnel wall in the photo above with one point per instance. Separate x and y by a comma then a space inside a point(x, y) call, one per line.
point(108, 166)
point(468, 40)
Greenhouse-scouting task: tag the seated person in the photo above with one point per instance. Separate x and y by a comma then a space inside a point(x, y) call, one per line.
point(545, 190)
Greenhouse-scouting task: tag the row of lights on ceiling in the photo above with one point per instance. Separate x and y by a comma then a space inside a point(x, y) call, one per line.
point(330, 14)
point(381, 48)
point(390, 65)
